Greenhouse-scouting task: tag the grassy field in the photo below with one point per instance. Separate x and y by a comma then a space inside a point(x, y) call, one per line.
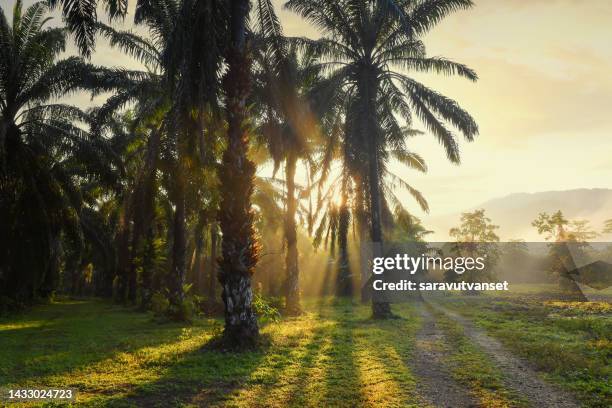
point(334, 355)
point(569, 342)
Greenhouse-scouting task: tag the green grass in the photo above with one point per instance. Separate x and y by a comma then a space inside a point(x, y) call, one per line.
point(334, 355)
point(569, 342)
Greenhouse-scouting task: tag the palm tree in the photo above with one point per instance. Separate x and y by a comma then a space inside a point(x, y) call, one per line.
point(284, 80)
point(182, 77)
point(239, 245)
point(146, 91)
point(367, 47)
point(45, 153)
point(350, 184)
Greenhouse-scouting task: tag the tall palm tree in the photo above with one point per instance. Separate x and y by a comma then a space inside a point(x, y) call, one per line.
point(182, 64)
point(45, 153)
point(239, 246)
point(145, 91)
point(287, 125)
point(368, 46)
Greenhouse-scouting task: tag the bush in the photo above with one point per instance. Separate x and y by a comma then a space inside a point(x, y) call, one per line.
point(159, 304)
point(265, 310)
point(185, 311)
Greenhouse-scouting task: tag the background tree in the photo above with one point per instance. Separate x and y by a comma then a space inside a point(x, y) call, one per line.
point(365, 45)
point(475, 237)
point(566, 247)
point(283, 80)
point(475, 227)
point(555, 227)
point(45, 153)
point(408, 228)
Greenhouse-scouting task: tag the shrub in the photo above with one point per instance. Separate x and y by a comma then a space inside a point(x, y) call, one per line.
point(159, 304)
point(265, 310)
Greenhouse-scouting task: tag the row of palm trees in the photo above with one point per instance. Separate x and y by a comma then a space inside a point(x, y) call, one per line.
point(166, 159)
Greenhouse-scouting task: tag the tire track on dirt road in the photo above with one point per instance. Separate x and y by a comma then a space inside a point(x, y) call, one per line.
point(517, 374)
point(436, 384)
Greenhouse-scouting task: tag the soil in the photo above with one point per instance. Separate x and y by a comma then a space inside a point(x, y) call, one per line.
point(436, 384)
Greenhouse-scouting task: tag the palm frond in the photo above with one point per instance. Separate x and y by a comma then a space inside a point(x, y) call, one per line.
point(131, 44)
point(416, 194)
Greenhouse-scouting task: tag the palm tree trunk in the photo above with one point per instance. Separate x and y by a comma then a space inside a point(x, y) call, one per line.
point(53, 267)
point(148, 266)
point(212, 282)
point(368, 89)
point(123, 252)
point(380, 309)
point(199, 242)
point(344, 284)
point(361, 221)
point(147, 217)
point(292, 284)
point(3, 136)
point(133, 268)
point(239, 246)
point(176, 278)
point(197, 264)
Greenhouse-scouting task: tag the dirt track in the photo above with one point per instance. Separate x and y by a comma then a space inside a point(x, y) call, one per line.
point(436, 385)
point(517, 374)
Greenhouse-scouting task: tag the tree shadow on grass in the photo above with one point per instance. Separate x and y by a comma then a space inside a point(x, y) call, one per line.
point(289, 371)
point(210, 377)
point(329, 374)
point(204, 377)
point(282, 370)
point(58, 339)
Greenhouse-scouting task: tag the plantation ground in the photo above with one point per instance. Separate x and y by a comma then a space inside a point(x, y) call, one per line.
point(334, 355)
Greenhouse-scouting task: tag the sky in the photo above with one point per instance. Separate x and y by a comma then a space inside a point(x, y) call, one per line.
point(543, 99)
point(542, 102)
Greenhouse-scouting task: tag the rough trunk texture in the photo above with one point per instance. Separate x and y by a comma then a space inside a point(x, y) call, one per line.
point(212, 282)
point(368, 88)
point(3, 135)
point(380, 310)
point(144, 198)
point(132, 276)
point(123, 255)
point(197, 264)
point(148, 216)
point(176, 278)
point(292, 283)
point(148, 269)
point(53, 268)
point(361, 222)
point(239, 246)
point(344, 283)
